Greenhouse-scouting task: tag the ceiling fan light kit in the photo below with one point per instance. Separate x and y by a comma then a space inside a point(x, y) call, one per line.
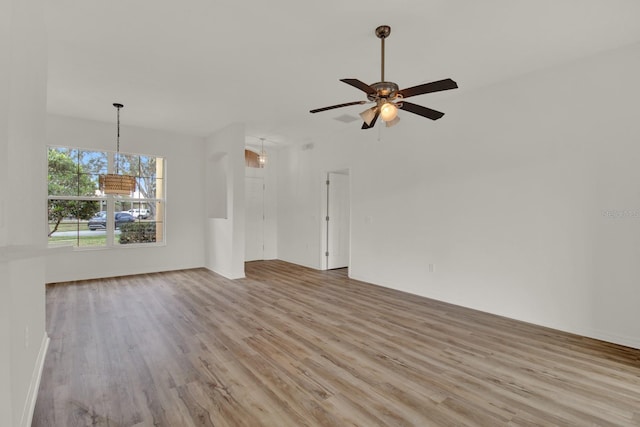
point(388, 97)
point(388, 111)
point(368, 115)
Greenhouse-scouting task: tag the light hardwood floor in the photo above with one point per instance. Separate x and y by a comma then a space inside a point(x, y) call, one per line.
point(290, 346)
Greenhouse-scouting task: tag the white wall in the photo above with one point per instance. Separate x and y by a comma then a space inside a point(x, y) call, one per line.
point(300, 181)
point(504, 197)
point(224, 228)
point(184, 200)
point(23, 340)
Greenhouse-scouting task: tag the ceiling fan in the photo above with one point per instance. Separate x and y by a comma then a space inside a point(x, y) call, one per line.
point(389, 98)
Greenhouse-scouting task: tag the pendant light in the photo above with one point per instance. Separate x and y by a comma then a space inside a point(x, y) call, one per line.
point(262, 158)
point(114, 183)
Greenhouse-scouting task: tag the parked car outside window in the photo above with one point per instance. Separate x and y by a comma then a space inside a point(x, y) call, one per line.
point(100, 220)
point(140, 213)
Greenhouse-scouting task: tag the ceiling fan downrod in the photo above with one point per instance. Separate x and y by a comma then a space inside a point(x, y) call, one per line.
point(383, 91)
point(382, 32)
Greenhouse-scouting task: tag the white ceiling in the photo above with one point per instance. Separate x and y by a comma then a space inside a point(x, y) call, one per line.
point(194, 66)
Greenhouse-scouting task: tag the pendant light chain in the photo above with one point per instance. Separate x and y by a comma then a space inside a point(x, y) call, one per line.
point(118, 106)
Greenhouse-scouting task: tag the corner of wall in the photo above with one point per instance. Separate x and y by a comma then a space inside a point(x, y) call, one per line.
point(224, 237)
point(34, 385)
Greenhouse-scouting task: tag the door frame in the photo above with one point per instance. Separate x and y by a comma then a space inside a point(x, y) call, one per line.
point(324, 228)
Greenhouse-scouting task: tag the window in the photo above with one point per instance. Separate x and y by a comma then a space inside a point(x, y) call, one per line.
point(78, 211)
point(251, 159)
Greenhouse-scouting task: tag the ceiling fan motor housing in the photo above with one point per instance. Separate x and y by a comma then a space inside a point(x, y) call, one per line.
point(384, 90)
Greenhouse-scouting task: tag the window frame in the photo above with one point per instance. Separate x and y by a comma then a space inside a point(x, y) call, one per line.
point(108, 202)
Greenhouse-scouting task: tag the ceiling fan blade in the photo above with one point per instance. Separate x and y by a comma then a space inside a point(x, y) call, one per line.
point(436, 86)
point(317, 110)
point(420, 110)
point(373, 121)
point(359, 85)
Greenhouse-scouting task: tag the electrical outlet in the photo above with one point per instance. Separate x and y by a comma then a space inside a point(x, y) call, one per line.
point(26, 336)
point(432, 268)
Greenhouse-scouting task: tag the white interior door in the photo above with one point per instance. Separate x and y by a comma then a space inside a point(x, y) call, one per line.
point(254, 220)
point(338, 213)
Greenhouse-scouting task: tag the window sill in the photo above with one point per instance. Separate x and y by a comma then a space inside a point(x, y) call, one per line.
point(113, 247)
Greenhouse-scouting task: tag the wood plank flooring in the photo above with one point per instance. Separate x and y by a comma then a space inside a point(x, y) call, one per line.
point(290, 346)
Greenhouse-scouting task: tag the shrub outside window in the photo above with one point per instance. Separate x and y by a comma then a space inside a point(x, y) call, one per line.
point(78, 212)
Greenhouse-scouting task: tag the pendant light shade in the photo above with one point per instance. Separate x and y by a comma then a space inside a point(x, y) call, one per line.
point(115, 183)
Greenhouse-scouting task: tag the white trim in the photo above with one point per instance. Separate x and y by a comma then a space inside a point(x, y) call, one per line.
point(626, 341)
point(227, 275)
point(32, 396)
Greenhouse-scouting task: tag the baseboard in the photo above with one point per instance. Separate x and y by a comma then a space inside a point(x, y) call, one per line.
point(226, 274)
point(32, 396)
point(616, 339)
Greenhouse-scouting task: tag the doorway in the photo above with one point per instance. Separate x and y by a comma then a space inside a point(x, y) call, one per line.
point(338, 220)
point(254, 217)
